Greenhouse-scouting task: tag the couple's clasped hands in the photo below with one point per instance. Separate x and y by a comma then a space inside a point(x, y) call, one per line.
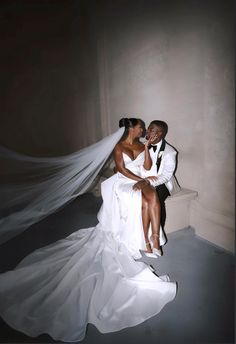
point(146, 181)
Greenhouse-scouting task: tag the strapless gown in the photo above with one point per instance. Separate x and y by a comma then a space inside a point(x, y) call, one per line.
point(89, 277)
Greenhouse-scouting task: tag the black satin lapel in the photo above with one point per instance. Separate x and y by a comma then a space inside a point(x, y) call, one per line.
point(158, 162)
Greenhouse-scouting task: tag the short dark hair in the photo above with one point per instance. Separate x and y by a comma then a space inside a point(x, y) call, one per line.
point(161, 124)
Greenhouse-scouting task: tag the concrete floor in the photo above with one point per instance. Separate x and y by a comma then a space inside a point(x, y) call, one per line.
point(203, 310)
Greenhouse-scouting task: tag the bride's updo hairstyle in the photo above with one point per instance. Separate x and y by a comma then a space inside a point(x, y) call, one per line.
point(127, 123)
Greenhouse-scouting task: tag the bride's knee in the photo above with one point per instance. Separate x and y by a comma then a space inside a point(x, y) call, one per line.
point(151, 197)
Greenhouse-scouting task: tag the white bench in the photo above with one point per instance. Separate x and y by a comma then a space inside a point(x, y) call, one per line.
point(178, 210)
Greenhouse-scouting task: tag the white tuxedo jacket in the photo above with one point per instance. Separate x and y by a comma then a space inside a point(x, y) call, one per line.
point(165, 173)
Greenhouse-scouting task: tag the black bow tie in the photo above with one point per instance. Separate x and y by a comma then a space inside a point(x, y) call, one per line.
point(154, 148)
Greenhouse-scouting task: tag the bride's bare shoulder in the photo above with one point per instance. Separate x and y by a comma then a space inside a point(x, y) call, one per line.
point(119, 146)
point(118, 149)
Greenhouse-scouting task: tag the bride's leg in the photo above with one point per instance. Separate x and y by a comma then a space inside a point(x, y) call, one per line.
point(154, 210)
point(146, 223)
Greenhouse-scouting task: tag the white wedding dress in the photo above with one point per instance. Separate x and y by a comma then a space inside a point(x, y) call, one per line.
point(91, 276)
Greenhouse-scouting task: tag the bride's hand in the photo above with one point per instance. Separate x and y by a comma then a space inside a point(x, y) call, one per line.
point(151, 139)
point(141, 184)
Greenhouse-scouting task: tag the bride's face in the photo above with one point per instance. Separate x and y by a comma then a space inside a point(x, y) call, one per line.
point(137, 130)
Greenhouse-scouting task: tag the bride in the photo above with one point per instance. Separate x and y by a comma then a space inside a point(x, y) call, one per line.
point(92, 276)
point(132, 158)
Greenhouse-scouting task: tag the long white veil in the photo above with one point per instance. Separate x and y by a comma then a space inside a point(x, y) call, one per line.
point(39, 186)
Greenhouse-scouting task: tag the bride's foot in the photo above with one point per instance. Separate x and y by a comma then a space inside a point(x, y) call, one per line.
point(148, 246)
point(155, 245)
point(149, 253)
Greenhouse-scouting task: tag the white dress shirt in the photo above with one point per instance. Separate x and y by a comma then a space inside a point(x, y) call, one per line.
point(153, 154)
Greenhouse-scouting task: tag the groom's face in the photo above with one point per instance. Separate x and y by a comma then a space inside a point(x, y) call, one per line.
point(154, 130)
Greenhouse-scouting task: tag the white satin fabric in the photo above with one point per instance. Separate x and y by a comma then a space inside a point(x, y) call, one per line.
point(121, 209)
point(89, 277)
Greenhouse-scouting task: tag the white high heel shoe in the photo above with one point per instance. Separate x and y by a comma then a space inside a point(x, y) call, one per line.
point(149, 254)
point(156, 251)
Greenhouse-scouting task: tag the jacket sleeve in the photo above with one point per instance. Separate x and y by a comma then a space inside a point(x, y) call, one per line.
point(166, 170)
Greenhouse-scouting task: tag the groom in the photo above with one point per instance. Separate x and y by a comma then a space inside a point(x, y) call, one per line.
point(163, 158)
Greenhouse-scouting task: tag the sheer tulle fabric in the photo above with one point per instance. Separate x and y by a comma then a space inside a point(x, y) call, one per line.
point(89, 277)
point(37, 187)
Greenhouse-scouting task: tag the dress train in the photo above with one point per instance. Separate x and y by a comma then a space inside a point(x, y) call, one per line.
point(86, 278)
point(89, 277)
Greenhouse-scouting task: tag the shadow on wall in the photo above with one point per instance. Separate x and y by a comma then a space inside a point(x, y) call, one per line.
point(49, 71)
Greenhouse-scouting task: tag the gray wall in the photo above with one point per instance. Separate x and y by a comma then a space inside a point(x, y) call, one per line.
point(175, 61)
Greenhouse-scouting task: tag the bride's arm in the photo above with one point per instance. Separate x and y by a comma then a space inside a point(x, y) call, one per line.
point(147, 160)
point(120, 166)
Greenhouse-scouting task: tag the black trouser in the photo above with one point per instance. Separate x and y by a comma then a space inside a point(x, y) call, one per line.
point(163, 193)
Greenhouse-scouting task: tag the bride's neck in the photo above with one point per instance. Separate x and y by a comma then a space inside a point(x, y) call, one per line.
point(129, 140)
